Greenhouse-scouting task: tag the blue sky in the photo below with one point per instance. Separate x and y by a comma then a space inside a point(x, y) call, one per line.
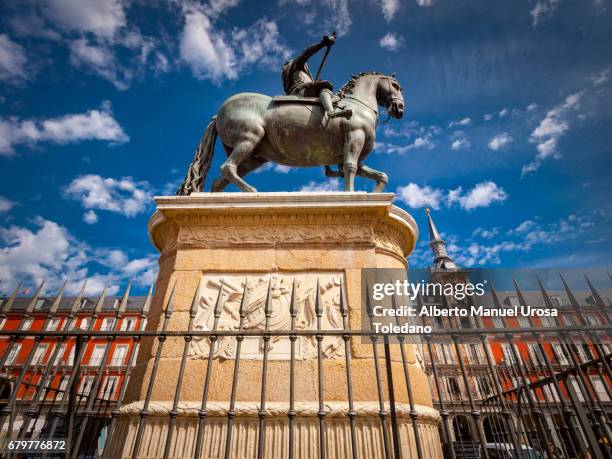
point(506, 133)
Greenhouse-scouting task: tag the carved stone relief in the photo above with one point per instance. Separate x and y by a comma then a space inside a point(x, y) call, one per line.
point(254, 314)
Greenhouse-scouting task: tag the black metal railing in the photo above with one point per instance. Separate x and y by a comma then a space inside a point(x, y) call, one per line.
point(492, 403)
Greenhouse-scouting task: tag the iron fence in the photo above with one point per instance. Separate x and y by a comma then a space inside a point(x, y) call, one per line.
point(500, 392)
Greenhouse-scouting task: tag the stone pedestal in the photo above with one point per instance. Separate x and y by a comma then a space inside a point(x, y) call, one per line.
point(272, 239)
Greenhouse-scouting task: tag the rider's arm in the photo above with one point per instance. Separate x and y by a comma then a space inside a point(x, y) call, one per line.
point(310, 51)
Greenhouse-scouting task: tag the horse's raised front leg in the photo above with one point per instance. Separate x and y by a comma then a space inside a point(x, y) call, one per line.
point(353, 144)
point(381, 178)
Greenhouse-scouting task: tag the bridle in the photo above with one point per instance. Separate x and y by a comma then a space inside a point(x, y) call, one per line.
point(391, 100)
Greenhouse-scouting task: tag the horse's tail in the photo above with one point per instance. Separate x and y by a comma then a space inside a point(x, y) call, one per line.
point(196, 174)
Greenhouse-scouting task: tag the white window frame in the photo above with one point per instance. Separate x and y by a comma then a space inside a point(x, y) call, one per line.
point(523, 322)
point(13, 354)
point(600, 388)
point(110, 388)
point(556, 300)
point(97, 355)
point(107, 324)
point(117, 361)
point(128, 324)
point(508, 355)
point(53, 324)
point(560, 355)
point(39, 304)
point(60, 355)
point(63, 386)
point(86, 385)
point(27, 324)
point(498, 322)
point(592, 319)
point(548, 322)
point(39, 354)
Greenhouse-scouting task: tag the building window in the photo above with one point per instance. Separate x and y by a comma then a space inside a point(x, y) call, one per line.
point(535, 353)
point(513, 301)
point(84, 325)
point(119, 355)
point(600, 388)
point(474, 354)
point(570, 320)
point(2, 322)
point(39, 304)
point(560, 354)
point(62, 387)
point(498, 322)
point(116, 303)
point(484, 388)
point(60, 354)
point(129, 324)
point(524, 322)
point(12, 357)
point(97, 355)
point(445, 354)
point(591, 319)
point(548, 322)
point(556, 300)
point(576, 386)
point(27, 324)
point(40, 352)
point(508, 356)
point(52, 324)
point(551, 393)
point(110, 385)
point(453, 388)
point(86, 385)
point(107, 324)
point(84, 303)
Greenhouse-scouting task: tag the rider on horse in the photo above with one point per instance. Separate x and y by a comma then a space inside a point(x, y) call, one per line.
point(298, 81)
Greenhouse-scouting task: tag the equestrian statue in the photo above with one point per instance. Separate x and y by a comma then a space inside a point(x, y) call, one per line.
point(309, 126)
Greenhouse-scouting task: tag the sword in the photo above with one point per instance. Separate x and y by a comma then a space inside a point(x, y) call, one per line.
point(324, 59)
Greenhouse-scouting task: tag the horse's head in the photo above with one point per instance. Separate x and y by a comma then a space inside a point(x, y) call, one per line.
point(389, 94)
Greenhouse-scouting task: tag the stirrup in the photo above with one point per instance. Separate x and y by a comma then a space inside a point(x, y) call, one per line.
point(345, 113)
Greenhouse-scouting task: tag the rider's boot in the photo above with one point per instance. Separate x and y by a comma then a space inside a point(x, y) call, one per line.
point(326, 100)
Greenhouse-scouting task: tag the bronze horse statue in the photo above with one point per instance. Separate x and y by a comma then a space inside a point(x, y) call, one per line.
point(294, 131)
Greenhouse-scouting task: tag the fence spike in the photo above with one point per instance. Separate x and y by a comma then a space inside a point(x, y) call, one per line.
point(9, 303)
point(147, 303)
point(197, 295)
point(124, 299)
point(100, 301)
point(30, 307)
point(170, 304)
point(77, 301)
point(58, 298)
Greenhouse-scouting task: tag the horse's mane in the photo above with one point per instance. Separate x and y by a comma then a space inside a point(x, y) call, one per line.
point(350, 84)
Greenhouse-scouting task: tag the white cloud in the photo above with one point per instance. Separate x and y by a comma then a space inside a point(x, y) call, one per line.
point(321, 16)
point(500, 141)
point(5, 205)
point(92, 125)
point(100, 59)
point(462, 122)
point(213, 55)
point(13, 61)
point(503, 113)
point(542, 10)
point(389, 8)
point(424, 2)
point(424, 142)
point(601, 78)
point(100, 17)
point(416, 196)
point(482, 195)
point(205, 51)
point(531, 107)
point(460, 144)
point(123, 196)
point(90, 217)
point(487, 116)
point(391, 41)
point(49, 252)
point(549, 131)
point(328, 186)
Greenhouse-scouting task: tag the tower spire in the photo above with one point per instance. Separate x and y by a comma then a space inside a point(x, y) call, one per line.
point(438, 247)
